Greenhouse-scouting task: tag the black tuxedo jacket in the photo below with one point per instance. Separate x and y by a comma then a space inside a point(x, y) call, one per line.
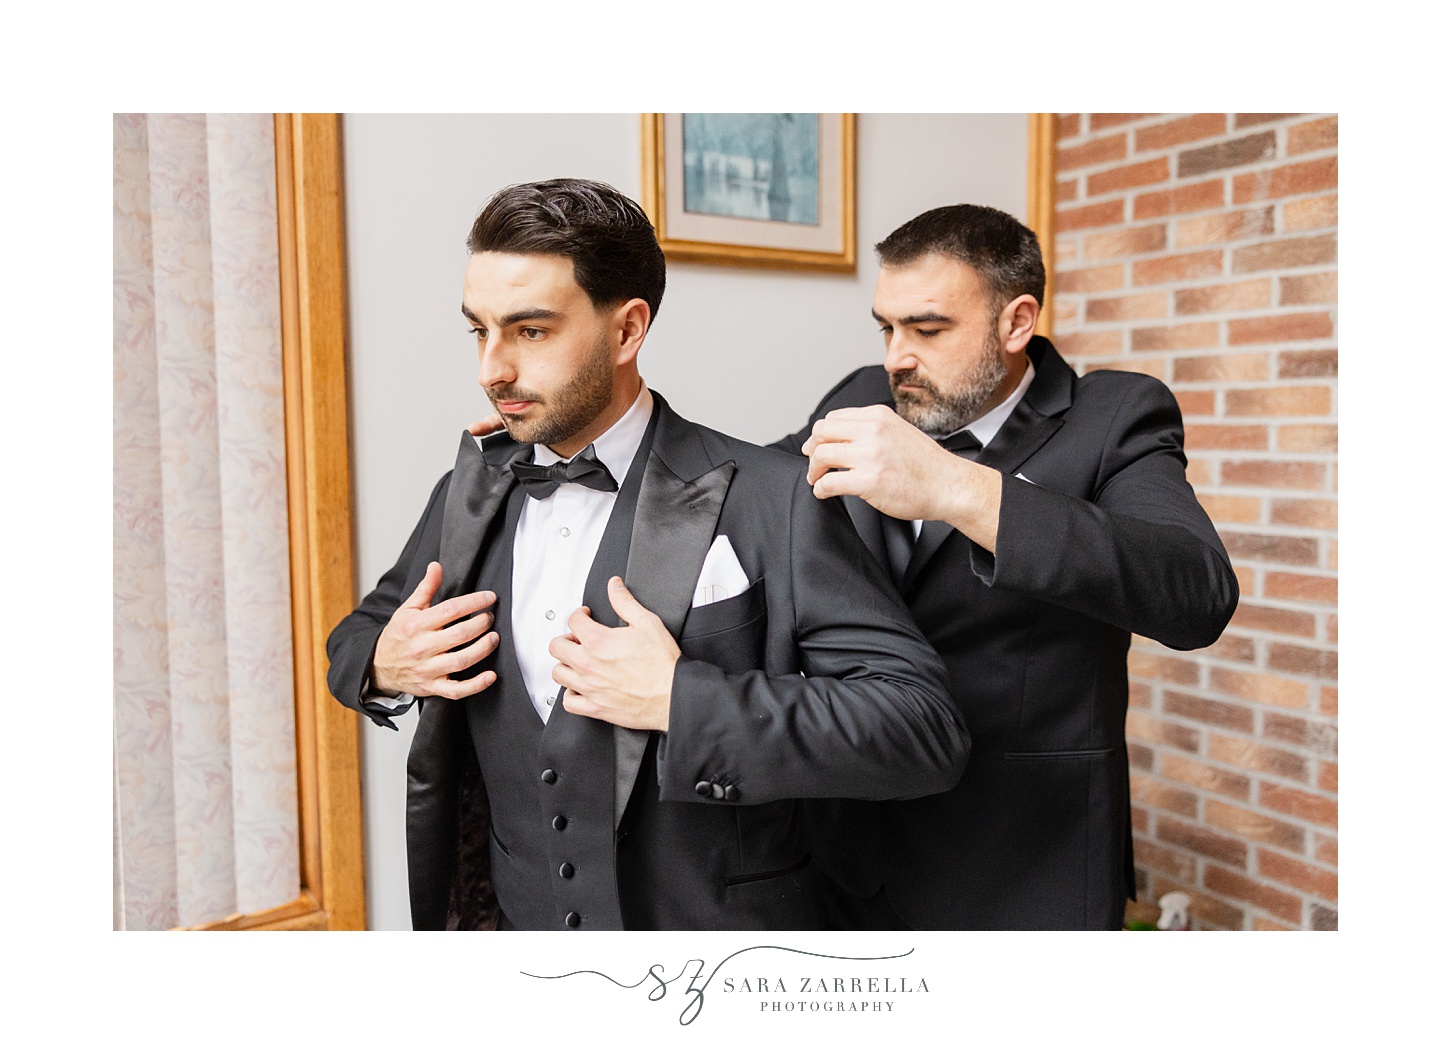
point(1099, 536)
point(814, 683)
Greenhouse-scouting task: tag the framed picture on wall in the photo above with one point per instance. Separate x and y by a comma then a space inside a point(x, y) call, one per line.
point(771, 189)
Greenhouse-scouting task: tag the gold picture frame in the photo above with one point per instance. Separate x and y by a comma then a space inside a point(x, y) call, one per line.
point(825, 244)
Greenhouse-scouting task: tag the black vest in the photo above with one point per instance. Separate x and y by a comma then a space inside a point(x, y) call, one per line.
point(551, 785)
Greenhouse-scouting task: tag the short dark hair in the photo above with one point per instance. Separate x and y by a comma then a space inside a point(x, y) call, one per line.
point(998, 246)
point(604, 232)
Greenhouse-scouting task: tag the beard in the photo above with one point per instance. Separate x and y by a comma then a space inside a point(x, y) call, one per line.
point(567, 411)
point(939, 410)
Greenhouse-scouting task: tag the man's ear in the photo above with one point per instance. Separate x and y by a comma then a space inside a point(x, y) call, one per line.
point(630, 320)
point(1017, 321)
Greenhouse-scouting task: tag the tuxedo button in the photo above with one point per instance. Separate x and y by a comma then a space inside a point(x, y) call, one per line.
point(566, 871)
point(731, 793)
point(703, 788)
point(560, 822)
point(717, 791)
point(571, 920)
point(548, 776)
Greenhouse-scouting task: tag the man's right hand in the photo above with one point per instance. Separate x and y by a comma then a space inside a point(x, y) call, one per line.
point(422, 645)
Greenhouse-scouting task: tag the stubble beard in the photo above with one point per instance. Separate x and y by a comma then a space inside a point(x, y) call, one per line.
point(939, 411)
point(568, 411)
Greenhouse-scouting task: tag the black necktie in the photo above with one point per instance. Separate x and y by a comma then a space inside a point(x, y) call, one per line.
point(541, 480)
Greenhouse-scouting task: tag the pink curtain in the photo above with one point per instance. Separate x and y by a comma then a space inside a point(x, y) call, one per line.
point(205, 770)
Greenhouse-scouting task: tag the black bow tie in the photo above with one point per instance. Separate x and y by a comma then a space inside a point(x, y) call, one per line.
point(964, 443)
point(541, 480)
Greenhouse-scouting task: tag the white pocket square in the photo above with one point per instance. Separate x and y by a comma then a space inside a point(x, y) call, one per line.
point(721, 577)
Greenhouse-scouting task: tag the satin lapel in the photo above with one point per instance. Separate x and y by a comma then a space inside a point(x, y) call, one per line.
point(675, 522)
point(476, 493)
point(1033, 423)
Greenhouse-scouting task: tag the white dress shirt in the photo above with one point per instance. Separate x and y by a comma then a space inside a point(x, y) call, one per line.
point(555, 545)
point(988, 425)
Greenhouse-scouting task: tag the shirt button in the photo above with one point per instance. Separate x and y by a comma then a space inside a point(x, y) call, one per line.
point(549, 701)
point(564, 531)
point(549, 614)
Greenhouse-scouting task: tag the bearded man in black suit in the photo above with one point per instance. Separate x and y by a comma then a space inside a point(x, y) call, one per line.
point(1033, 520)
point(638, 644)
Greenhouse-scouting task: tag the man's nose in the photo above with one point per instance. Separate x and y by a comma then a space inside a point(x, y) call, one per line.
point(495, 366)
point(899, 355)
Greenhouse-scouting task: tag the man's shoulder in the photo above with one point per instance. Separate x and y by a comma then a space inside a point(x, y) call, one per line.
point(759, 461)
point(1113, 390)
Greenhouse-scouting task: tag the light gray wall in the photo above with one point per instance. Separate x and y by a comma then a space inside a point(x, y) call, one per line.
point(748, 351)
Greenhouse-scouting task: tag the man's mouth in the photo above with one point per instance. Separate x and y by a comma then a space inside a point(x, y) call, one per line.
point(512, 406)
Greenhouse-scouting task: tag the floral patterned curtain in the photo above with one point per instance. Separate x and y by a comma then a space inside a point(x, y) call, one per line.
point(205, 790)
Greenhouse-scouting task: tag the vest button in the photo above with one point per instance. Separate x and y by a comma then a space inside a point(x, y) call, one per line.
point(571, 920)
point(548, 776)
point(560, 822)
point(566, 871)
point(703, 788)
point(717, 791)
point(731, 793)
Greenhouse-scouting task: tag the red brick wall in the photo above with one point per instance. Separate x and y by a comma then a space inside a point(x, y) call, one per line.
point(1201, 249)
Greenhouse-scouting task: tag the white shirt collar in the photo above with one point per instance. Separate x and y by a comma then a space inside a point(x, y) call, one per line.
point(616, 447)
point(986, 426)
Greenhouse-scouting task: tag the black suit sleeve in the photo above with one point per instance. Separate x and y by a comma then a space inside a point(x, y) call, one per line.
point(351, 643)
point(869, 716)
point(1142, 556)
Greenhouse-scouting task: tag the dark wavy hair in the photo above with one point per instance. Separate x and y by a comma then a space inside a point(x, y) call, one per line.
point(604, 232)
point(1001, 248)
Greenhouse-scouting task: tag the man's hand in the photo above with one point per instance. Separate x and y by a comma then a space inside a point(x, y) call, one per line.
point(487, 426)
point(622, 675)
point(420, 646)
point(902, 472)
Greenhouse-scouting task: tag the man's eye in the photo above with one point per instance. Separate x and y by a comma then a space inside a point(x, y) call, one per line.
point(928, 333)
point(531, 333)
point(474, 331)
point(886, 331)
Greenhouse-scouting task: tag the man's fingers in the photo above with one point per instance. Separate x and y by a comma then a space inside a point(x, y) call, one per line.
point(568, 651)
point(422, 595)
point(564, 674)
point(584, 626)
point(463, 659)
point(838, 483)
point(457, 690)
point(627, 606)
point(445, 612)
point(832, 455)
point(487, 426)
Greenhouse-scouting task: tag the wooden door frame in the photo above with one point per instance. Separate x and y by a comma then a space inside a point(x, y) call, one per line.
point(314, 324)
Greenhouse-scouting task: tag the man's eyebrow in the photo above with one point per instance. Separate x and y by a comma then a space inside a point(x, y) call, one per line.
point(912, 320)
point(526, 314)
point(470, 316)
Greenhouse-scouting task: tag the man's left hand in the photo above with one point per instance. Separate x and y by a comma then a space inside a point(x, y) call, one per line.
point(901, 471)
point(622, 675)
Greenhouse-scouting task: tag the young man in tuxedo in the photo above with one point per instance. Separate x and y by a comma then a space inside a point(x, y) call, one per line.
point(638, 644)
point(1032, 520)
